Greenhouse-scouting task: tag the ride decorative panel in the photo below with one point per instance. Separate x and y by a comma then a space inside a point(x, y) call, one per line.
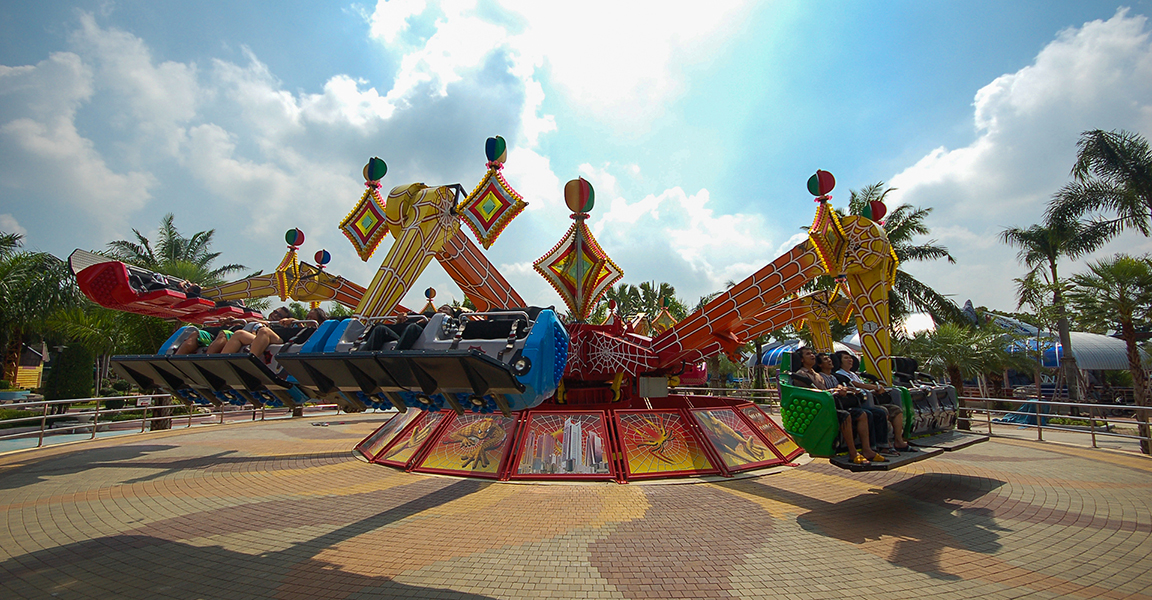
point(472, 444)
point(373, 444)
point(659, 443)
point(733, 439)
point(566, 444)
point(774, 434)
point(405, 448)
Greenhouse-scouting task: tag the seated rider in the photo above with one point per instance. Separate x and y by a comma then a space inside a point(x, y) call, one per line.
point(877, 417)
point(849, 365)
point(232, 338)
point(806, 376)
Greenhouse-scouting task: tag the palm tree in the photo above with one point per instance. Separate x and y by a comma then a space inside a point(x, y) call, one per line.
point(105, 332)
point(188, 258)
point(959, 351)
point(33, 285)
point(1041, 246)
point(1117, 293)
point(1113, 175)
point(902, 225)
point(648, 298)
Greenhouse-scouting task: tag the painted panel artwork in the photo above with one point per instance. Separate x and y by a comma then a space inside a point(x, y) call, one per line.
point(565, 444)
point(401, 452)
point(373, 444)
point(770, 430)
point(473, 443)
point(659, 442)
point(733, 439)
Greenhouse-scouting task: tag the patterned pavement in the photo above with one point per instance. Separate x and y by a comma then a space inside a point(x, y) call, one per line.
point(283, 510)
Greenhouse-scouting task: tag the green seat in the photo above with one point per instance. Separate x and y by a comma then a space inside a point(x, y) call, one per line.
point(906, 402)
point(809, 416)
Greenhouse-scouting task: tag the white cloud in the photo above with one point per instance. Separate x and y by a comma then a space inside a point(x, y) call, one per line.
point(43, 148)
point(596, 55)
point(155, 99)
point(1098, 76)
point(8, 224)
point(674, 232)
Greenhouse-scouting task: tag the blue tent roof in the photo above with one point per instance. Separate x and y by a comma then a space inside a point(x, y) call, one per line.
point(775, 350)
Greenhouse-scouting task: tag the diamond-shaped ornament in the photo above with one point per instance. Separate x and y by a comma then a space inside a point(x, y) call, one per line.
point(365, 226)
point(579, 276)
point(491, 206)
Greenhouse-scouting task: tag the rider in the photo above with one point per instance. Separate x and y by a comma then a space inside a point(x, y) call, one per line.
point(806, 376)
point(881, 395)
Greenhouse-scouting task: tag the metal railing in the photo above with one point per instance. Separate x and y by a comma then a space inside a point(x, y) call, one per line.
point(71, 420)
point(1100, 422)
point(769, 396)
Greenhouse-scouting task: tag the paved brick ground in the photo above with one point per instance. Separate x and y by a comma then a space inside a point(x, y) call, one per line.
point(283, 510)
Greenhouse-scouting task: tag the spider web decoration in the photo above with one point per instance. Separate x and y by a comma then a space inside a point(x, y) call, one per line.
point(373, 444)
point(472, 444)
point(365, 226)
point(659, 442)
point(491, 206)
point(735, 442)
point(776, 436)
point(403, 449)
point(565, 444)
point(578, 252)
point(603, 355)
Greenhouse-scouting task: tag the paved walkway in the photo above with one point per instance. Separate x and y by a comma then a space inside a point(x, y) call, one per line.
point(283, 510)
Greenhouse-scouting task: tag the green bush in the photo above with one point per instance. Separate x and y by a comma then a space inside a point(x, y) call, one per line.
point(8, 413)
point(5, 384)
point(114, 404)
point(122, 385)
point(70, 375)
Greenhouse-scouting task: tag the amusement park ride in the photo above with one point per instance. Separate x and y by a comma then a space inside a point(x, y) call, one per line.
point(510, 391)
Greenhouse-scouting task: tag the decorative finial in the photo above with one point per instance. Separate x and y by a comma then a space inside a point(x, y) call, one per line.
point(496, 149)
point(294, 237)
point(323, 257)
point(820, 185)
point(374, 171)
point(579, 196)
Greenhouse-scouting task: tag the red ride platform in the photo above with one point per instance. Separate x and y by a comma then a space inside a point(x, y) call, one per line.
point(677, 436)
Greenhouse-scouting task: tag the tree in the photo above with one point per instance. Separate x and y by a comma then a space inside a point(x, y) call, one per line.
point(1041, 246)
point(1117, 292)
point(172, 254)
point(188, 258)
point(33, 285)
point(646, 298)
point(105, 332)
point(1112, 180)
point(959, 351)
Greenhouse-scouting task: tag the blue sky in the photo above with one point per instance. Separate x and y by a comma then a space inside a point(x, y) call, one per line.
point(698, 123)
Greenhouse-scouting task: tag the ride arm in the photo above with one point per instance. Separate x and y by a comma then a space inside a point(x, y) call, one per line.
point(710, 329)
point(258, 286)
point(477, 278)
point(421, 220)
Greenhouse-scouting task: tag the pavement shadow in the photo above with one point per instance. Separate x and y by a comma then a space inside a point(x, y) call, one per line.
point(926, 514)
point(33, 468)
point(151, 566)
point(134, 456)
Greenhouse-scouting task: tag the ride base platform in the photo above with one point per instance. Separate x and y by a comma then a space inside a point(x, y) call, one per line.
point(647, 438)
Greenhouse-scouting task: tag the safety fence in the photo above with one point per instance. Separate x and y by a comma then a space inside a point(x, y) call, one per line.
point(1099, 420)
point(770, 397)
point(57, 417)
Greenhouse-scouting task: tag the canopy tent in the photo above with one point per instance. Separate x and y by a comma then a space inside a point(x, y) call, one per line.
point(773, 351)
point(1093, 352)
